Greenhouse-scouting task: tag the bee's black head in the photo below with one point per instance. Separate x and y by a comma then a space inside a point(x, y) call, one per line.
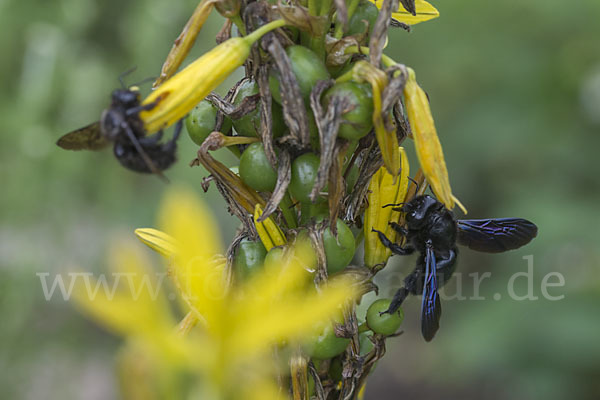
point(417, 209)
point(126, 98)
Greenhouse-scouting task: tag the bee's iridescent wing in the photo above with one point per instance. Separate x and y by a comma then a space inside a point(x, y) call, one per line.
point(431, 308)
point(495, 235)
point(87, 138)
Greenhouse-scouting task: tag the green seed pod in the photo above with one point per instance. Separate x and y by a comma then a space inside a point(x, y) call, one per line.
point(249, 258)
point(249, 124)
point(308, 68)
point(358, 121)
point(255, 169)
point(366, 11)
point(304, 174)
point(318, 212)
point(384, 324)
point(335, 369)
point(365, 343)
point(201, 122)
point(322, 344)
point(275, 256)
point(339, 252)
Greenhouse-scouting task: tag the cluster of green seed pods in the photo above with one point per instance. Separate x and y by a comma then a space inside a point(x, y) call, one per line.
point(321, 117)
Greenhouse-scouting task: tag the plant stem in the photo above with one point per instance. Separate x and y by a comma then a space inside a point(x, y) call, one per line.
point(287, 209)
point(237, 20)
point(363, 327)
point(313, 7)
point(325, 7)
point(386, 60)
point(339, 28)
point(257, 34)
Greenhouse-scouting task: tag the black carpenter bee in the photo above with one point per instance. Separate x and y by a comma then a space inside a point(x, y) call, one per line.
point(432, 230)
point(121, 125)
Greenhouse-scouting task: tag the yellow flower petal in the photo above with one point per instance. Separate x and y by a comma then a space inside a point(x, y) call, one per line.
point(180, 94)
point(291, 318)
point(371, 214)
point(185, 41)
point(201, 284)
point(387, 140)
point(158, 241)
point(425, 12)
point(132, 305)
point(270, 234)
point(279, 304)
point(398, 195)
point(384, 189)
point(427, 143)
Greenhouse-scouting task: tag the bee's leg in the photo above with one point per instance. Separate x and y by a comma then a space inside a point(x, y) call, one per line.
point(397, 300)
point(410, 284)
point(145, 107)
point(396, 249)
point(171, 145)
point(446, 262)
point(399, 228)
point(149, 163)
point(445, 266)
point(152, 139)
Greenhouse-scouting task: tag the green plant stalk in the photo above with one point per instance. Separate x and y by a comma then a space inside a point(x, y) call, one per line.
point(316, 43)
point(325, 7)
point(386, 60)
point(235, 151)
point(339, 28)
point(237, 20)
point(287, 209)
point(313, 7)
point(257, 34)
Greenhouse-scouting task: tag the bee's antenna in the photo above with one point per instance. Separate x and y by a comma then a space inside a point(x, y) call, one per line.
point(124, 74)
point(393, 205)
point(415, 182)
point(145, 80)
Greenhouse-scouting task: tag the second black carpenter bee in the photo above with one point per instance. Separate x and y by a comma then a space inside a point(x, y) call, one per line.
point(121, 125)
point(432, 230)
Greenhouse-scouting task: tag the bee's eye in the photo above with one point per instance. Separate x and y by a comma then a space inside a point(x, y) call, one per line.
point(413, 214)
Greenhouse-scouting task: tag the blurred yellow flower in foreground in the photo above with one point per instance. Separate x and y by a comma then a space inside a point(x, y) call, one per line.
point(231, 348)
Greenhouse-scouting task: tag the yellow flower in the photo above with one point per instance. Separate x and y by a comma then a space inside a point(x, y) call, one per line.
point(424, 12)
point(384, 189)
point(179, 94)
point(427, 143)
point(386, 139)
point(134, 306)
point(268, 231)
point(185, 41)
point(230, 349)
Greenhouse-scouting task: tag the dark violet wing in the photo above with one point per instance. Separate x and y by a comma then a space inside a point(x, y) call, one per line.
point(495, 235)
point(431, 308)
point(89, 137)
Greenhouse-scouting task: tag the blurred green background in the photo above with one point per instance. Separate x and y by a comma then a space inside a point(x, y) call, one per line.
point(515, 90)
